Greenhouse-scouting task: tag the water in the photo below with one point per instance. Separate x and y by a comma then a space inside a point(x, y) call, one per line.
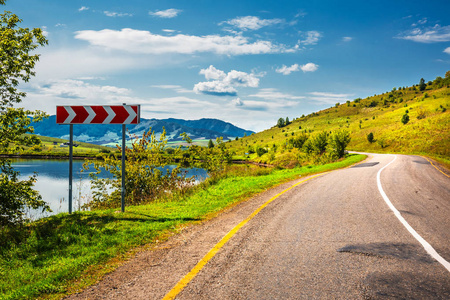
point(53, 182)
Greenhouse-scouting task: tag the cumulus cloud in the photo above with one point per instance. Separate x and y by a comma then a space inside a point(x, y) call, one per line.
point(116, 14)
point(168, 13)
point(252, 22)
point(310, 38)
point(309, 67)
point(224, 84)
point(83, 8)
point(140, 41)
point(427, 35)
point(447, 50)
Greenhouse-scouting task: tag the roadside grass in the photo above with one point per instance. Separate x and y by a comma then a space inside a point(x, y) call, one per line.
point(61, 254)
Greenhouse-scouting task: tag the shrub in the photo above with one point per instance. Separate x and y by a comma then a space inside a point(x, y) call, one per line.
point(338, 141)
point(405, 119)
point(16, 195)
point(370, 138)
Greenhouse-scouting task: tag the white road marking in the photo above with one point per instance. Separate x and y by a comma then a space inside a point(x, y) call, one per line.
point(430, 250)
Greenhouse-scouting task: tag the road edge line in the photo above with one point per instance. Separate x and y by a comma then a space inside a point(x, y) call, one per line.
point(435, 166)
point(428, 248)
point(199, 266)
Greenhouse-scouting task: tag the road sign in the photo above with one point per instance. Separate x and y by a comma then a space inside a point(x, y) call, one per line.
point(98, 114)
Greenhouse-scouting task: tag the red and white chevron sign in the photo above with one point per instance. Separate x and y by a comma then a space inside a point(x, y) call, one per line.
point(93, 114)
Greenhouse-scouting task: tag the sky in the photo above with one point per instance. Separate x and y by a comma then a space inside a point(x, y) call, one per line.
point(244, 62)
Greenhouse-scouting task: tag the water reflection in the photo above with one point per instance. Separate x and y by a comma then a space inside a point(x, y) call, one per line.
point(53, 182)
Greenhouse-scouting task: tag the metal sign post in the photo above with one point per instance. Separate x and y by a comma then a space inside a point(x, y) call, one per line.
point(70, 167)
point(97, 114)
point(123, 167)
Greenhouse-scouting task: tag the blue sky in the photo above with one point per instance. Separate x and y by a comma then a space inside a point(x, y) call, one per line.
point(245, 62)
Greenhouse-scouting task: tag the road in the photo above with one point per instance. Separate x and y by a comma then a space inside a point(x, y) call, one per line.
point(330, 237)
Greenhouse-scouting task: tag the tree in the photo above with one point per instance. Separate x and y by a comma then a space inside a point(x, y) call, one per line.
point(370, 138)
point(16, 64)
point(210, 144)
point(280, 123)
point(287, 121)
point(447, 74)
point(422, 85)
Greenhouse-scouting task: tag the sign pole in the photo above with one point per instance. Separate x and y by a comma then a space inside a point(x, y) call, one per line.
point(123, 167)
point(70, 167)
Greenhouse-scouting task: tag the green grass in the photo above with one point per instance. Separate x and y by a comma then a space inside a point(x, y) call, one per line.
point(58, 255)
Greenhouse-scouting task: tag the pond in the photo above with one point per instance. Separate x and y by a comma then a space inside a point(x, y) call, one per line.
point(53, 182)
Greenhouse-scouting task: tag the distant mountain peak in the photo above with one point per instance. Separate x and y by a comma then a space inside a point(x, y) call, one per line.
point(205, 128)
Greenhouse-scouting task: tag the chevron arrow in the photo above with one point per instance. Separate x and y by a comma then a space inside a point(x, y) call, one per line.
point(95, 114)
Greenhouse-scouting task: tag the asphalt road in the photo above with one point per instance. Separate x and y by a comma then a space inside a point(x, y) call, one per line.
point(331, 237)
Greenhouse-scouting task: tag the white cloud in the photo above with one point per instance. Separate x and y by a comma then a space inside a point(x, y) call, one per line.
point(224, 84)
point(116, 14)
point(238, 102)
point(83, 8)
point(168, 13)
point(433, 34)
point(47, 95)
point(347, 39)
point(212, 73)
point(176, 88)
point(309, 67)
point(273, 95)
point(310, 38)
point(447, 50)
point(140, 41)
point(329, 98)
point(252, 22)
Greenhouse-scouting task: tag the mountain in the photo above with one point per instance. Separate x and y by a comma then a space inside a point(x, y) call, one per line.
point(103, 134)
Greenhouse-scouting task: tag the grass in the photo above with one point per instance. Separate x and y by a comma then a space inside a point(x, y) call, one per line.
point(56, 256)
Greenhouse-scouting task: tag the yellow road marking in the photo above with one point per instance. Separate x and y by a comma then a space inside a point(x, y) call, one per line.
point(435, 166)
point(186, 279)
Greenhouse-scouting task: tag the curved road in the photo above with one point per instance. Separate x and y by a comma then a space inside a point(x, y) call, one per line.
point(331, 237)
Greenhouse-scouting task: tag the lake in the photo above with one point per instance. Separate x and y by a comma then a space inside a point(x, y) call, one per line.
point(53, 182)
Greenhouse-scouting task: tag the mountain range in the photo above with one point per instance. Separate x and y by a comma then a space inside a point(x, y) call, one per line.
point(103, 134)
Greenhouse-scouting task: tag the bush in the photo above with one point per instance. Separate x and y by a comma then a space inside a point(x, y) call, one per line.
point(405, 119)
point(260, 151)
point(338, 141)
point(370, 138)
point(17, 195)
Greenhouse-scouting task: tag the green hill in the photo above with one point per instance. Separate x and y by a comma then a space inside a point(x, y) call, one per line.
point(426, 133)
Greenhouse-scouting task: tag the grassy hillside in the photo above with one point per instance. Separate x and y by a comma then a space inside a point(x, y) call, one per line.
point(426, 133)
point(52, 147)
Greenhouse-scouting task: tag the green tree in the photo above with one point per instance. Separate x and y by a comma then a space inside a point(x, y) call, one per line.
point(370, 138)
point(447, 74)
point(17, 63)
point(422, 85)
point(287, 121)
point(210, 144)
point(280, 123)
